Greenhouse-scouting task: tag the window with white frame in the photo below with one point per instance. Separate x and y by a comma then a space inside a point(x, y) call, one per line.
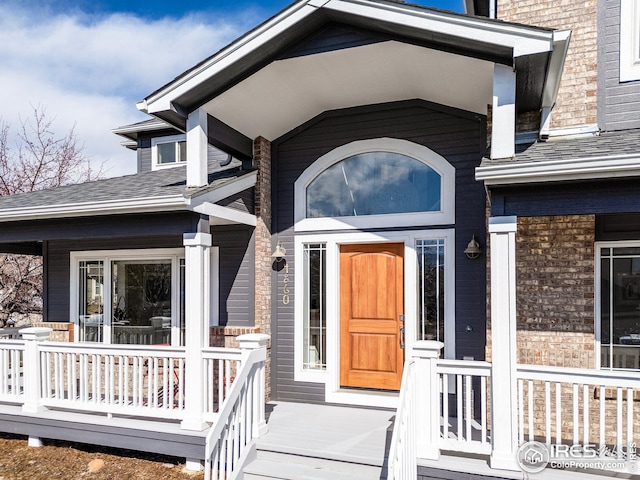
point(431, 289)
point(168, 151)
point(384, 182)
point(141, 299)
point(315, 307)
point(629, 40)
point(618, 301)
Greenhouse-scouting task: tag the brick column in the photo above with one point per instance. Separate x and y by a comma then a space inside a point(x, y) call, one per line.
point(263, 261)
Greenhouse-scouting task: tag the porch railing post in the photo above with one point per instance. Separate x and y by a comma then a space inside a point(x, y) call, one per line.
point(249, 342)
point(32, 368)
point(197, 278)
point(504, 427)
point(426, 354)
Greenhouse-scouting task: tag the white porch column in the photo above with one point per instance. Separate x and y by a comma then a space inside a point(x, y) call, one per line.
point(503, 116)
point(197, 143)
point(426, 354)
point(504, 425)
point(197, 286)
point(31, 361)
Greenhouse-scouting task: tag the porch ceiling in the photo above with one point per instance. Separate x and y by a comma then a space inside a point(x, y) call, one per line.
point(286, 93)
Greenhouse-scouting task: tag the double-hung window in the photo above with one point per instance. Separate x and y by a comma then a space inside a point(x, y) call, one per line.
point(129, 296)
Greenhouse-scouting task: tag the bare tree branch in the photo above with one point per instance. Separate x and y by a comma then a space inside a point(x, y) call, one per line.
point(39, 161)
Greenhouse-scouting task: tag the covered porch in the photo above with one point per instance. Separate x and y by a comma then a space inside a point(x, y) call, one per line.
point(505, 417)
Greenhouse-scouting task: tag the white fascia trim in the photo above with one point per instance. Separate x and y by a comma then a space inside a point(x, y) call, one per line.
point(522, 39)
point(156, 124)
point(226, 213)
point(239, 49)
point(109, 207)
point(220, 193)
point(559, 170)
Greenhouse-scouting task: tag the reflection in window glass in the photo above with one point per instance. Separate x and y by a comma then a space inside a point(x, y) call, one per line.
point(141, 311)
point(172, 152)
point(430, 289)
point(91, 300)
point(620, 308)
point(315, 300)
point(374, 183)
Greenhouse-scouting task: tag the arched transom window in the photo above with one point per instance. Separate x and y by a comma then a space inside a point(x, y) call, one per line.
point(374, 183)
point(382, 182)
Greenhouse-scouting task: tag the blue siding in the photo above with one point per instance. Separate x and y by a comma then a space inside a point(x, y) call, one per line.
point(599, 197)
point(458, 136)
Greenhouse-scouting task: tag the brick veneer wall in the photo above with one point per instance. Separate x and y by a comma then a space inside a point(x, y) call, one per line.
point(62, 331)
point(555, 290)
point(262, 159)
point(576, 103)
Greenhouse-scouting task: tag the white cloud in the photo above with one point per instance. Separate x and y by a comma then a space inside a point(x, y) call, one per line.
point(90, 71)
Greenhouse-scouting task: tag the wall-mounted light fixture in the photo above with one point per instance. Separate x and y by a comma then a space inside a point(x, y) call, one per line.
point(473, 249)
point(279, 253)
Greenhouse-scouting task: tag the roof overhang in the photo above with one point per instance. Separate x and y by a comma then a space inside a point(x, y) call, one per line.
point(589, 168)
point(217, 83)
point(189, 201)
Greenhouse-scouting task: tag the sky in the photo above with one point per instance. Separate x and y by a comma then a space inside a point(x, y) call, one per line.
point(87, 62)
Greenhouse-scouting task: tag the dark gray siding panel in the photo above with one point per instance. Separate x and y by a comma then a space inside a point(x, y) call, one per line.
point(428, 473)
point(609, 196)
point(243, 201)
point(458, 136)
point(58, 266)
point(236, 274)
point(618, 103)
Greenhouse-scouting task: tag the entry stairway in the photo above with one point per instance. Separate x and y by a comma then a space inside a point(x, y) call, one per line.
point(322, 442)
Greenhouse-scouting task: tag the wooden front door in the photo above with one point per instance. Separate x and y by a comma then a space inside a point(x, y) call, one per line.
point(371, 302)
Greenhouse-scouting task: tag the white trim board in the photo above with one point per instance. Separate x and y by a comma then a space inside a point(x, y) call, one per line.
point(331, 376)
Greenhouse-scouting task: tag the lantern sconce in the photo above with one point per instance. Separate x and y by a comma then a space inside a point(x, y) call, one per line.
point(473, 249)
point(279, 253)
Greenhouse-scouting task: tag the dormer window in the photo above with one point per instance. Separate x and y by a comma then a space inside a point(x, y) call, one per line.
point(629, 40)
point(168, 151)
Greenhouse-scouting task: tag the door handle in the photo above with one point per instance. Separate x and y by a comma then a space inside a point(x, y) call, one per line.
point(402, 337)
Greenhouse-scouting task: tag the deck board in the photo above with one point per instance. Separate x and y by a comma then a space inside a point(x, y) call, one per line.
point(341, 433)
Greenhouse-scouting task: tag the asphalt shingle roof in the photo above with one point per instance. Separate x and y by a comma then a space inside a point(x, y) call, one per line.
point(159, 183)
point(623, 142)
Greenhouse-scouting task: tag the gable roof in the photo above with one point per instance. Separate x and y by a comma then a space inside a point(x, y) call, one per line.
point(537, 54)
point(154, 191)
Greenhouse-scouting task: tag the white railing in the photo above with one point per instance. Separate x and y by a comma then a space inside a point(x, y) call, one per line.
point(578, 406)
point(241, 418)
point(402, 463)
point(11, 364)
point(137, 380)
point(116, 379)
point(463, 404)
point(220, 366)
